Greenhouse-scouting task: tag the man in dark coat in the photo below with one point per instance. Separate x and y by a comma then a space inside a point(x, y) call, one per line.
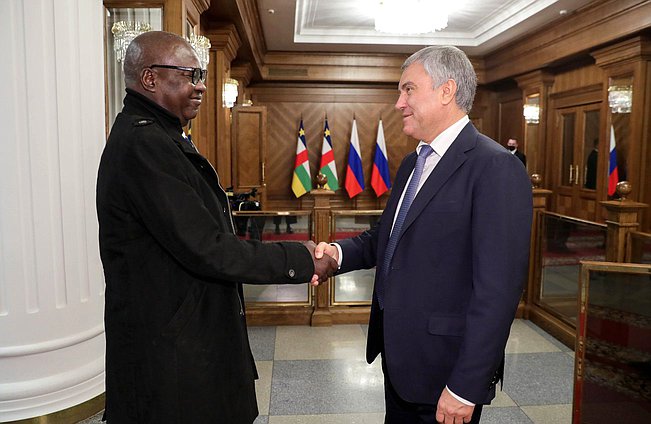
point(177, 349)
point(512, 146)
point(451, 251)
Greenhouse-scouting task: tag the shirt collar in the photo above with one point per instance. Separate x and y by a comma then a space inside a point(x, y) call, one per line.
point(444, 140)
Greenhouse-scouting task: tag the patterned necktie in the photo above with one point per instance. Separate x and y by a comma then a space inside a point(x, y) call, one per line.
point(410, 193)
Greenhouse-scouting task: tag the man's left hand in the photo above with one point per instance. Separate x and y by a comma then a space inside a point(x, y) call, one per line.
point(450, 411)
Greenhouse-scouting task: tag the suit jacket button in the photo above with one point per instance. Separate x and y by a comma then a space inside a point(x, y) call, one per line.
point(291, 273)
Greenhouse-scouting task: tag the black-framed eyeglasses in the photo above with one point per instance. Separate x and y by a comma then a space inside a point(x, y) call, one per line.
point(198, 74)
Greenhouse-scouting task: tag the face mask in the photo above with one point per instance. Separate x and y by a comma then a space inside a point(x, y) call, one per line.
point(511, 148)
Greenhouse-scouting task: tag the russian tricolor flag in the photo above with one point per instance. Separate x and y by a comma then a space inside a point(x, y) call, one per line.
point(380, 180)
point(613, 177)
point(354, 174)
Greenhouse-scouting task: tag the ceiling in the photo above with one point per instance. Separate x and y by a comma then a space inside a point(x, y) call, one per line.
point(476, 26)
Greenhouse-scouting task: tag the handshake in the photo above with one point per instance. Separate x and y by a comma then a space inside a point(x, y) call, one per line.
point(325, 257)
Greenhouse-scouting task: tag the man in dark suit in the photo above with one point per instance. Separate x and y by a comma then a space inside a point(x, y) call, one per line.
point(450, 250)
point(512, 146)
point(176, 344)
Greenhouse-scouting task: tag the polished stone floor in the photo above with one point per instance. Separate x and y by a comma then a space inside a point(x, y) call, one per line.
point(318, 375)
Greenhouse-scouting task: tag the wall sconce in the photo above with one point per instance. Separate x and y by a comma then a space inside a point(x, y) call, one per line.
point(201, 46)
point(531, 110)
point(124, 32)
point(230, 92)
point(620, 98)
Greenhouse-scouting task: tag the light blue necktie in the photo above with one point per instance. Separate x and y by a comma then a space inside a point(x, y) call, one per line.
point(410, 193)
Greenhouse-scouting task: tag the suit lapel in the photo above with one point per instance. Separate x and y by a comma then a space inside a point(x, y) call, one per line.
point(447, 166)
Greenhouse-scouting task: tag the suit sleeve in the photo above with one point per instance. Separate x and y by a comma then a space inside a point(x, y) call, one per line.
point(501, 227)
point(359, 252)
point(158, 187)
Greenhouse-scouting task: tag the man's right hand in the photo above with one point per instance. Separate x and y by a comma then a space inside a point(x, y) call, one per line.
point(328, 249)
point(324, 265)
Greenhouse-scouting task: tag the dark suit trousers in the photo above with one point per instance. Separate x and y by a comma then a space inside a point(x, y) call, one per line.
point(399, 411)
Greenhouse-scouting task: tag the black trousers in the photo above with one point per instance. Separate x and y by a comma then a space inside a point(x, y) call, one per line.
point(399, 411)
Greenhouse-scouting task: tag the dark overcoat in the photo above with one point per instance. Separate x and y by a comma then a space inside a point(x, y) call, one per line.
point(176, 342)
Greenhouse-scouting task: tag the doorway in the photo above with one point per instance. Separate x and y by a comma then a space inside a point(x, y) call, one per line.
point(576, 157)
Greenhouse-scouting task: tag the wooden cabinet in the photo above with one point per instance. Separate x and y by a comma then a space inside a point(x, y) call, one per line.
point(249, 149)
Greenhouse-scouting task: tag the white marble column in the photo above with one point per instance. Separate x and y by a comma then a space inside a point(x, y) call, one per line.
point(51, 282)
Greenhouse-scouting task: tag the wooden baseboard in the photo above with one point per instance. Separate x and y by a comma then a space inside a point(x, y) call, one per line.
point(350, 314)
point(278, 315)
point(70, 415)
point(554, 326)
point(303, 315)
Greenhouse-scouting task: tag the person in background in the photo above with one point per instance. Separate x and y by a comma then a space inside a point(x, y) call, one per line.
point(177, 349)
point(451, 252)
point(289, 220)
point(591, 166)
point(512, 146)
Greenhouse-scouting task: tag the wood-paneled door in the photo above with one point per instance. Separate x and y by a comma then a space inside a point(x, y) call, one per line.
point(249, 148)
point(576, 157)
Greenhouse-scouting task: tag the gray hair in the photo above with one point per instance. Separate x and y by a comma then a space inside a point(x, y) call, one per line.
point(444, 63)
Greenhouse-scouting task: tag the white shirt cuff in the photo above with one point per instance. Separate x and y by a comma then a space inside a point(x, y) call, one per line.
point(340, 254)
point(459, 398)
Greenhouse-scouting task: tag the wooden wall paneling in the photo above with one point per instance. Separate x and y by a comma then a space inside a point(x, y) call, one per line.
point(641, 127)
point(224, 44)
point(585, 76)
point(595, 25)
point(243, 73)
point(645, 168)
point(537, 83)
point(510, 121)
point(484, 114)
point(632, 58)
point(285, 107)
point(204, 125)
point(343, 67)
point(251, 32)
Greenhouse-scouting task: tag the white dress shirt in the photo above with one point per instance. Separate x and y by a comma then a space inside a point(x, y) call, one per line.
point(440, 144)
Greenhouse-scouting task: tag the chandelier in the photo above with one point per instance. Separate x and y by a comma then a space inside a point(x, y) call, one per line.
point(201, 46)
point(124, 32)
point(411, 16)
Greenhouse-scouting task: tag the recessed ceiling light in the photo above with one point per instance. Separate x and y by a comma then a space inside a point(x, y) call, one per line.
point(563, 12)
point(271, 11)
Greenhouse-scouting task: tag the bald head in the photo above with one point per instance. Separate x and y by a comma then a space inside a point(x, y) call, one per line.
point(149, 48)
point(162, 67)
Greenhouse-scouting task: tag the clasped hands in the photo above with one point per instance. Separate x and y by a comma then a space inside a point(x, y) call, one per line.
point(325, 257)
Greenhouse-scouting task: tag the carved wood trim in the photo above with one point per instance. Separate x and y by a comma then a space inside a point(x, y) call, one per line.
point(225, 39)
point(201, 5)
point(592, 26)
point(630, 50)
point(132, 3)
point(578, 96)
point(250, 15)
